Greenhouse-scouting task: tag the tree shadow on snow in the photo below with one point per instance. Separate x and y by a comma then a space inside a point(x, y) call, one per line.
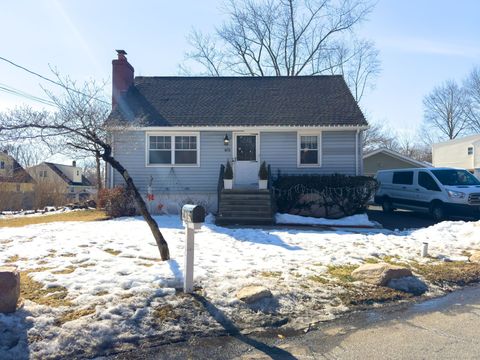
point(13, 335)
point(258, 236)
point(272, 351)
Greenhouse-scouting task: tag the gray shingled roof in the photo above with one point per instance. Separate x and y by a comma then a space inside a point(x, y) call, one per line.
point(239, 101)
point(56, 169)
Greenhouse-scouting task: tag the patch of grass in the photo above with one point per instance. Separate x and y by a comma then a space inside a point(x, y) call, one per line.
point(449, 273)
point(371, 295)
point(68, 254)
point(112, 252)
point(12, 259)
point(86, 265)
point(371, 261)
point(342, 272)
point(271, 273)
point(165, 312)
point(84, 215)
point(101, 293)
point(145, 264)
point(466, 253)
point(318, 279)
point(68, 270)
point(34, 291)
point(73, 315)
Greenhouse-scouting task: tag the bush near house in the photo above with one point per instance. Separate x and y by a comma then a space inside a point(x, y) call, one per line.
point(117, 202)
point(326, 196)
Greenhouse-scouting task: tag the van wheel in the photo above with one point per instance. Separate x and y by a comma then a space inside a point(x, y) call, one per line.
point(437, 212)
point(387, 206)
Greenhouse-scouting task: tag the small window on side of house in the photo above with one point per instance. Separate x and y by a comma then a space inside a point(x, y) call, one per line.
point(309, 150)
point(2, 164)
point(18, 187)
point(470, 150)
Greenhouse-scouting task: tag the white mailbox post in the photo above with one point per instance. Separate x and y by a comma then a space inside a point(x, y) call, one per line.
point(193, 216)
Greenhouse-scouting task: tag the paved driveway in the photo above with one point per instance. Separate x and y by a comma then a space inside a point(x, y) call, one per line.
point(400, 219)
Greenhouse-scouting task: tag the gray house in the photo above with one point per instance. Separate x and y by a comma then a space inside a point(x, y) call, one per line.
point(173, 134)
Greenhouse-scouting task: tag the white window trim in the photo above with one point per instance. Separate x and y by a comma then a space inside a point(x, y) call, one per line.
point(318, 134)
point(172, 135)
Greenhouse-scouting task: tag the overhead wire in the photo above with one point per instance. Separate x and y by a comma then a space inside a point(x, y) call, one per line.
point(48, 79)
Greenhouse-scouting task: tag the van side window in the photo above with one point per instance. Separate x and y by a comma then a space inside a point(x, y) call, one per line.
point(403, 177)
point(427, 182)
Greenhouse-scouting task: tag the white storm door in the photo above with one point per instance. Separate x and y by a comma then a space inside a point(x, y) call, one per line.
point(246, 159)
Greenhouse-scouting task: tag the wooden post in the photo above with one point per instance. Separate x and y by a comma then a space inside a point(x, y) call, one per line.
point(189, 252)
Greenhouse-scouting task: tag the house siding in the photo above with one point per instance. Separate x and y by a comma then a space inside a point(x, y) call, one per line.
point(279, 149)
point(129, 150)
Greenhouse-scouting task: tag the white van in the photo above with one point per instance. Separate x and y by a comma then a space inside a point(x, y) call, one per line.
point(440, 191)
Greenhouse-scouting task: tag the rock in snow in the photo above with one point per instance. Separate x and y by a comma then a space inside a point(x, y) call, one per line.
point(380, 274)
point(475, 257)
point(9, 288)
point(252, 293)
point(409, 284)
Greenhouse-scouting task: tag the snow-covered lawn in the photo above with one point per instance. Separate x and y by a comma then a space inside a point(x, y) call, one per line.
point(111, 269)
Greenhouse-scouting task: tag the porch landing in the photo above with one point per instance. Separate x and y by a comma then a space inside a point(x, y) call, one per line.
point(245, 207)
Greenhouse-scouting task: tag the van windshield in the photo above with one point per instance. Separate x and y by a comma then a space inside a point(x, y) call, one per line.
point(455, 177)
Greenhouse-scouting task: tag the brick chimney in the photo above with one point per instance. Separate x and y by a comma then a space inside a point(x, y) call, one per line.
point(122, 76)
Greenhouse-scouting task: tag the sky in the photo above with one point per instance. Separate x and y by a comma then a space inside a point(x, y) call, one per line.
point(422, 43)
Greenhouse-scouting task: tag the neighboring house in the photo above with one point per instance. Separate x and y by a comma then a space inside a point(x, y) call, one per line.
point(461, 153)
point(64, 183)
point(385, 159)
point(16, 185)
point(174, 133)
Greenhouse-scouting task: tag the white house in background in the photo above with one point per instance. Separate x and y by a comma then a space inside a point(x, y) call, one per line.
point(69, 179)
point(461, 153)
point(386, 159)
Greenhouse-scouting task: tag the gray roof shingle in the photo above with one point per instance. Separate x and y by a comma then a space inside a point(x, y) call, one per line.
point(239, 101)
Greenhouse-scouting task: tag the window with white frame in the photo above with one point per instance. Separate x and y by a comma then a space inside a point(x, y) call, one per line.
point(309, 150)
point(470, 150)
point(173, 150)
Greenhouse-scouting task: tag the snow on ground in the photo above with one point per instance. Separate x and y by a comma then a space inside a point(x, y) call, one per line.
point(115, 271)
point(354, 220)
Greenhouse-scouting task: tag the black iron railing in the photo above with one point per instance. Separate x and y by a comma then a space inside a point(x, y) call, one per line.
point(220, 185)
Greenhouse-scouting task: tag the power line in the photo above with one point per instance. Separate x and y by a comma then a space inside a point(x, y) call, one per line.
point(13, 91)
point(49, 80)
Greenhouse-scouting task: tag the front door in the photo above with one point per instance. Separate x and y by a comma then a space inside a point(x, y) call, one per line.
point(246, 160)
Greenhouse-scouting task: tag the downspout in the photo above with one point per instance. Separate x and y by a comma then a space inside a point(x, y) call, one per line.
point(356, 152)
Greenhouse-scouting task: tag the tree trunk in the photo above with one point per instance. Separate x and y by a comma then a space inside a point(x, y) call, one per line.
point(160, 240)
point(99, 172)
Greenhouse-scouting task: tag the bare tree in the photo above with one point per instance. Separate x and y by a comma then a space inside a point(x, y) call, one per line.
point(379, 136)
point(27, 153)
point(79, 122)
point(445, 110)
point(472, 87)
point(289, 38)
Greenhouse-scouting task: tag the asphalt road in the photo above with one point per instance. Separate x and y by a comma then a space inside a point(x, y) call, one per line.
point(443, 328)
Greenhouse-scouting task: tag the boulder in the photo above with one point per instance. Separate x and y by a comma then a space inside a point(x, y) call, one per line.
point(475, 257)
point(9, 288)
point(380, 274)
point(409, 284)
point(253, 293)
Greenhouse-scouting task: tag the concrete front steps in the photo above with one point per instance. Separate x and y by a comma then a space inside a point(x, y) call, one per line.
point(245, 207)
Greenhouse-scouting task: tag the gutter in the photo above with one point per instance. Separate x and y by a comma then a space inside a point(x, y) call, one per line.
point(356, 152)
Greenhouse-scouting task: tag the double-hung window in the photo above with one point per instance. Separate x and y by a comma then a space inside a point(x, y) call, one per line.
point(309, 153)
point(177, 149)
